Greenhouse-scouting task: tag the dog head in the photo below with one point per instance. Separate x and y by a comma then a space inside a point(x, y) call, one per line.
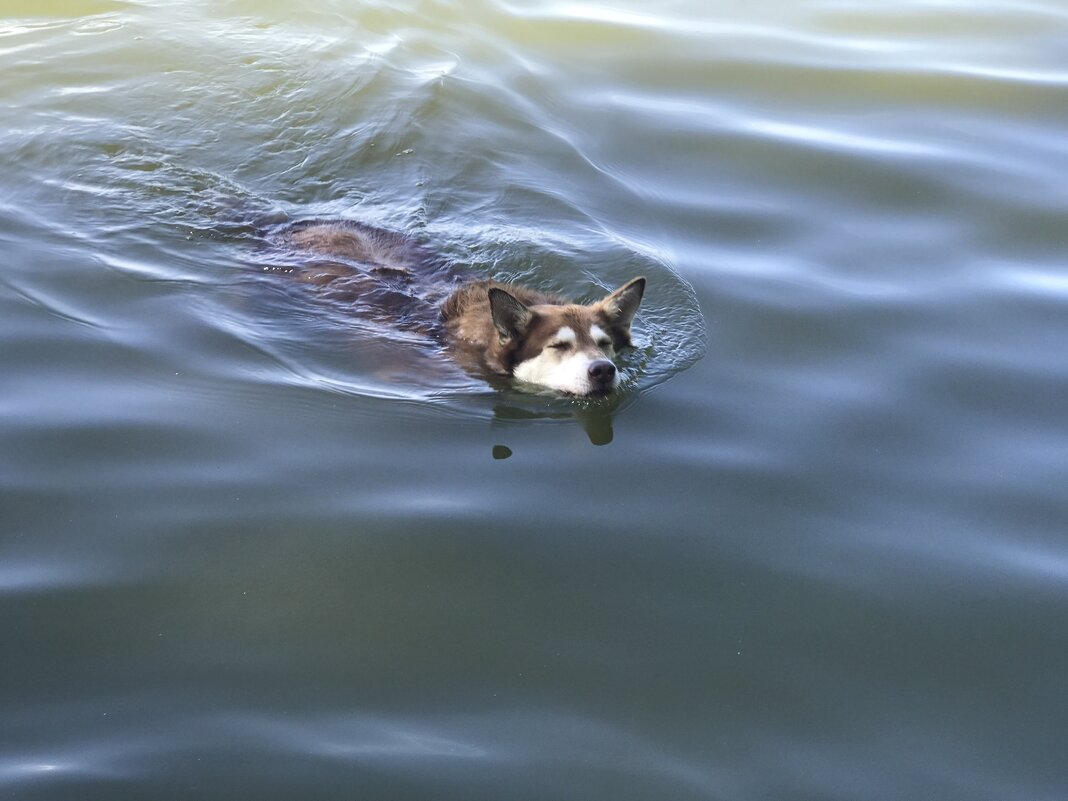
point(567, 347)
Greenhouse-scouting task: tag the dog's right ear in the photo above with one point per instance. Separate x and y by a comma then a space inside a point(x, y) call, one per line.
point(510, 316)
point(621, 306)
point(618, 309)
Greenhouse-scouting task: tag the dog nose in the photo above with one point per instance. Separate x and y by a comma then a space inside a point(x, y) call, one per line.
point(602, 371)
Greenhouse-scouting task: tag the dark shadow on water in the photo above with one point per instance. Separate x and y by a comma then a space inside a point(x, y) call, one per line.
point(594, 415)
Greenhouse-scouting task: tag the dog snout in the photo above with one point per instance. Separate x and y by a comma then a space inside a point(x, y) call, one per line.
point(602, 372)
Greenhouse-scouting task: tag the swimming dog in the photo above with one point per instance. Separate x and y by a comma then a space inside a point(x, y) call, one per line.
point(540, 339)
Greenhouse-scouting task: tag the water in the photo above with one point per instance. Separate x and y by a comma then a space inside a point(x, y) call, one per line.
point(251, 547)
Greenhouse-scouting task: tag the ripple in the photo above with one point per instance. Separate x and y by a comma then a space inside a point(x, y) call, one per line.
point(38, 769)
point(839, 139)
point(1047, 285)
point(18, 578)
point(363, 736)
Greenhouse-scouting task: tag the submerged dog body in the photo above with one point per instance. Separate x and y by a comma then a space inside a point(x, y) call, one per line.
point(504, 329)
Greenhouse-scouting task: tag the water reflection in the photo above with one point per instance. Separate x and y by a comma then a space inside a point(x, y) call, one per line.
point(594, 415)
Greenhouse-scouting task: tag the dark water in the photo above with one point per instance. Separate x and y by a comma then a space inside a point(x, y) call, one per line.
point(817, 548)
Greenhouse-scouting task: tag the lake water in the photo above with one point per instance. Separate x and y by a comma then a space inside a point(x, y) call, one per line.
point(252, 546)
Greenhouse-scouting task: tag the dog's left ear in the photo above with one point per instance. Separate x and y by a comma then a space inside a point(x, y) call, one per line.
point(620, 307)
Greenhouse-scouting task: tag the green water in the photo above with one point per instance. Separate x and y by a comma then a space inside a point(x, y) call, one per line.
point(252, 546)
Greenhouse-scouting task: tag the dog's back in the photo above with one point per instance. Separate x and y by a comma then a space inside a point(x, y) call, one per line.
point(355, 244)
point(385, 275)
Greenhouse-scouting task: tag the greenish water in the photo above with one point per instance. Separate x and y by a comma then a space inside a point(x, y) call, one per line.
point(252, 547)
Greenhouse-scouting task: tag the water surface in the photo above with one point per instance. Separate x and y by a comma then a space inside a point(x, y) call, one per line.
point(251, 546)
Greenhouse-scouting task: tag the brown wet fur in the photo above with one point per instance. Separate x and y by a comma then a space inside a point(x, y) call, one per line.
point(384, 275)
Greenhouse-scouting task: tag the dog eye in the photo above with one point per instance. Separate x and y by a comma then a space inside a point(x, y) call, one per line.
point(560, 345)
point(604, 343)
